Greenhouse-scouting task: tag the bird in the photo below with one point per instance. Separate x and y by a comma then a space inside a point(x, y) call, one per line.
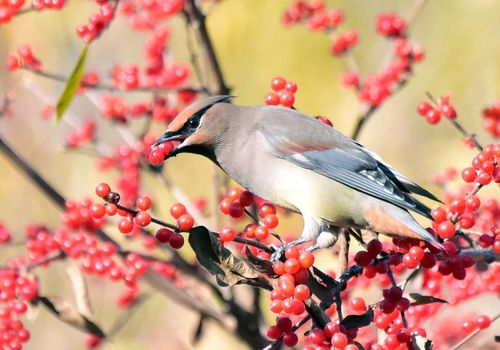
point(299, 163)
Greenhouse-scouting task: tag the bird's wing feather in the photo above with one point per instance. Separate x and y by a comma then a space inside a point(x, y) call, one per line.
point(405, 184)
point(335, 156)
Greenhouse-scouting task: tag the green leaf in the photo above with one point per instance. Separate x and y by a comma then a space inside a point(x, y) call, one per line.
point(220, 262)
point(72, 85)
point(68, 314)
point(420, 299)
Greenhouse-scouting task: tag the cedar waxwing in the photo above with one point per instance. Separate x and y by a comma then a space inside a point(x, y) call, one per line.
point(299, 163)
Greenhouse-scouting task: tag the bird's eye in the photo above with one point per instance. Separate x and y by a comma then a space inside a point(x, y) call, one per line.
point(193, 123)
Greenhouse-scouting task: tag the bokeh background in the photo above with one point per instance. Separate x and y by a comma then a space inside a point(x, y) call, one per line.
point(462, 48)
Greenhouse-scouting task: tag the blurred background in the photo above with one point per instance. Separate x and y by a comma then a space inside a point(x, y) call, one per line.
point(462, 48)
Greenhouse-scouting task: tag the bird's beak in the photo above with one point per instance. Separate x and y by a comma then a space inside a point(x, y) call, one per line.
point(172, 136)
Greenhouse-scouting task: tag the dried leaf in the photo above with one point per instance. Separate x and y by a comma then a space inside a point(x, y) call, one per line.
point(420, 299)
point(264, 266)
point(68, 314)
point(80, 289)
point(72, 85)
point(220, 262)
point(358, 321)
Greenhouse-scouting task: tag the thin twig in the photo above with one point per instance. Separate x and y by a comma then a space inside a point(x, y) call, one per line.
point(63, 79)
point(471, 335)
point(361, 121)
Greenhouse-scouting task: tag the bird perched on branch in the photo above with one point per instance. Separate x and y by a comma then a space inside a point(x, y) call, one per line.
point(299, 163)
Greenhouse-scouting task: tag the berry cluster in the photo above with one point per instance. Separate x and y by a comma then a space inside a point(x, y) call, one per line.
point(158, 153)
point(314, 14)
point(24, 59)
point(390, 24)
point(16, 291)
point(145, 15)
point(433, 112)
point(343, 42)
point(79, 137)
point(125, 77)
point(283, 92)
point(9, 9)
point(113, 107)
point(97, 22)
point(484, 167)
point(491, 119)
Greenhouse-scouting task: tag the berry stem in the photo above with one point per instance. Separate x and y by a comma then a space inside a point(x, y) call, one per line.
point(457, 125)
point(394, 284)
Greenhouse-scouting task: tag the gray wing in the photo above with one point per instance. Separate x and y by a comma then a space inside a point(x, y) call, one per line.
point(322, 149)
point(405, 184)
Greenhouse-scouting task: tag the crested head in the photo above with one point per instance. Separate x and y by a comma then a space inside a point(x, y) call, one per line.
point(191, 127)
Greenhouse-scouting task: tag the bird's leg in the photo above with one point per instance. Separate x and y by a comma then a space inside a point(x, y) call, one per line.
point(326, 239)
point(276, 256)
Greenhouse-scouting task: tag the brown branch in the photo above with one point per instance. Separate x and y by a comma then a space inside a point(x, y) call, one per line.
point(164, 286)
point(195, 17)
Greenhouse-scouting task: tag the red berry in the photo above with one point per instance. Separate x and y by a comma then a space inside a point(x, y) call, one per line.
point(290, 339)
point(446, 229)
point(374, 247)
point(306, 260)
point(483, 322)
point(111, 209)
point(292, 252)
point(125, 225)
point(236, 210)
point(339, 341)
point(284, 324)
point(278, 83)
point(438, 214)
point(271, 221)
point(142, 218)
point(102, 190)
point(302, 292)
point(423, 108)
point(143, 203)
point(358, 304)
point(273, 332)
point(163, 235)
point(266, 209)
point(362, 258)
point(416, 252)
point(177, 210)
point(261, 232)
point(292, 266)
point(97, 210)
point(433, 116)
point(227, 234)
point(246, 198)
point(185, 222)
point(469, 174)
point(176, 241)
point(156, 156)
point(272, 99)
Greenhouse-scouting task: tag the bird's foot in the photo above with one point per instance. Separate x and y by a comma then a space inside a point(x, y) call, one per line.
point(276, 256)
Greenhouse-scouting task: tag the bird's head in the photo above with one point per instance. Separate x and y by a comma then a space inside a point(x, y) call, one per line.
point(194, 128)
